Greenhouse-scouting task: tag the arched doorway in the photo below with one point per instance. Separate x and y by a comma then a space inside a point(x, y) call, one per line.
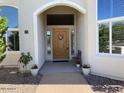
point(40, 11)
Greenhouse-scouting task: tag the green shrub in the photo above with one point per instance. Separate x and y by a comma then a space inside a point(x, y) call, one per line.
point(3, 29)
point(25, 59)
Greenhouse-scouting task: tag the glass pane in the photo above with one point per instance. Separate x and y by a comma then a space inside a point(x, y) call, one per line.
point(72, 42)
point(104, 9)
point(60, 19)
point(12, 14)
point(118, 8)
point(13, 41)
point(110, 9)
point(118, 37)
point(48, 34)
point(104, 38)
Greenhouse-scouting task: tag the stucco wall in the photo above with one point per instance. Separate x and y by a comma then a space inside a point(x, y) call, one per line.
point(41, 40)
point(11, 59)
point(82, 36)
point(9, 2)
point(108, 66)
point(61, 10)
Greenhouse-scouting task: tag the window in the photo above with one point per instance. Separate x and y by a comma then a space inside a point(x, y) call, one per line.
point(60, 19)
point(104, 9)
point(110, 9)
point(118, 37)
point(12, 41)
point(118, 8)
point(12, 15)
point(111, 37)
point(104, 38)
point(48, 36)
point(111, 31)
point(73, 42)
point(12, 35)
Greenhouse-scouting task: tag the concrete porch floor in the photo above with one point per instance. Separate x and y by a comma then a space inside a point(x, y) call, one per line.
point(62, 77)
point(59, 67)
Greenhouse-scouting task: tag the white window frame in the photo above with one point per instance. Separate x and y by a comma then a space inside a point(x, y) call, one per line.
point(110, 21)
point(11, 30)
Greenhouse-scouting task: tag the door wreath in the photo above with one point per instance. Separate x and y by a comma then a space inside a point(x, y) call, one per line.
point(60, 37)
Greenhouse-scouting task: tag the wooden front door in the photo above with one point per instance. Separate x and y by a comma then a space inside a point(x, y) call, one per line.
point(60, 43)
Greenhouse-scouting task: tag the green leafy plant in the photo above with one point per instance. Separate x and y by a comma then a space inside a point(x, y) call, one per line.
point(3, 29)
point(34, 67)
point(25, 59)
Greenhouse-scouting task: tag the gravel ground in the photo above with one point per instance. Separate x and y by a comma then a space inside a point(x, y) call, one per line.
point(8, 76)
point(11, 82)
point(105, 85)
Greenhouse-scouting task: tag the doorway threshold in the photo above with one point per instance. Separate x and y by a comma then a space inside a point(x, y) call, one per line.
point(61, 60)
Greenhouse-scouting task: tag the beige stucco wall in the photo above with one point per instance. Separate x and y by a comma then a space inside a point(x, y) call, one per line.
point(11, 59)
point(9, 2)
point(82, 36)
point(61, 10)
point(109, 66)
point(41, 40)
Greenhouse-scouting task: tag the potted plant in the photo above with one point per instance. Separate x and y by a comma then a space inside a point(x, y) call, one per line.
point(86, 69)
point(34, 70)
point(25, 59)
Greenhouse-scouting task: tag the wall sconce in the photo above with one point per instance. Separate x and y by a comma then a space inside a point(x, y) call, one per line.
point(26, 31)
